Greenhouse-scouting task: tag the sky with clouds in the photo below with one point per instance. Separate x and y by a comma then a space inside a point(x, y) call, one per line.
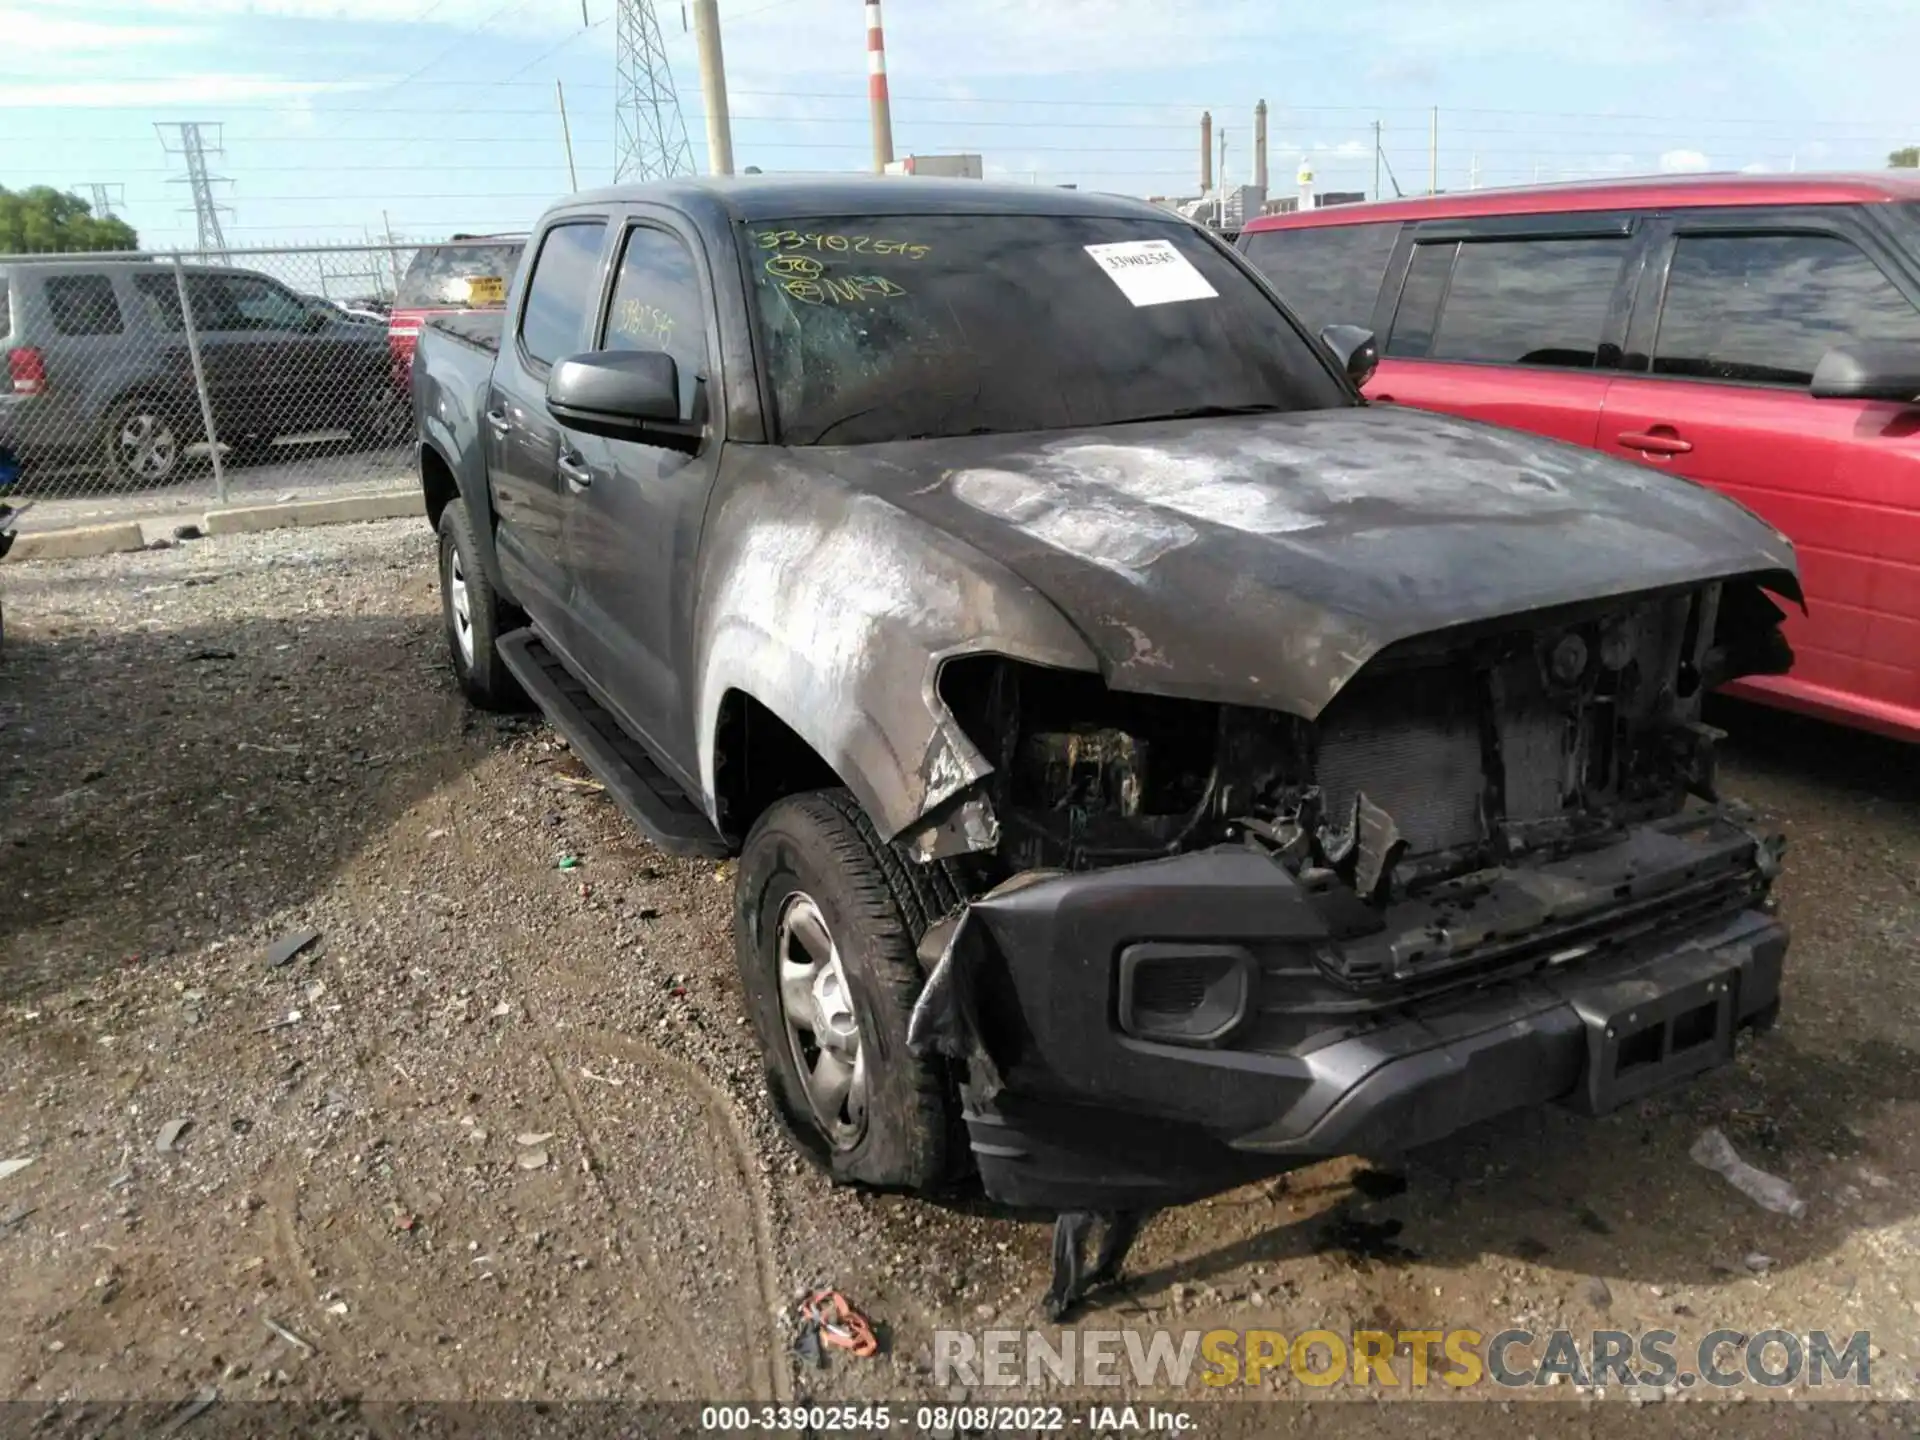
point(341, 116)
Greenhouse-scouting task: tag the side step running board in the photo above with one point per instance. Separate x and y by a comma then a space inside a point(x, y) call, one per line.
point(667, 815)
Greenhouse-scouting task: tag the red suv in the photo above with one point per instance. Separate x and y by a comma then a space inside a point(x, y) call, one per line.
point(1758, 333)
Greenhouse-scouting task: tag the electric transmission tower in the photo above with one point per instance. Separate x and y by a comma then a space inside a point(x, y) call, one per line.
point(104, 198)
point(193, 146)
point(651, 132)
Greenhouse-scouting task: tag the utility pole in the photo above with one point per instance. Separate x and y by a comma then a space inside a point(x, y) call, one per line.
point(194, 147)
point(877, 96)
point(1260, 149)
point(1433, 154)
point(1376, 159)
point(566, 134)
point(1221, 208)
point(713, 86)
point(393, 253)
point(650, 141)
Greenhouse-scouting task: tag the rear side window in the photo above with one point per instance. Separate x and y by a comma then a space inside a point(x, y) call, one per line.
point(458, 277)
point(1419, 308)
point(160, 298)
point(83, 305)
point(1523, 302)
point(562, 292)
point(261, 305)
point(1763, 309)
point(1328, 274)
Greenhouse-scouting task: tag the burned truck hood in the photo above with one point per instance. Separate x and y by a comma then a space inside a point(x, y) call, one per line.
point(1263, 560)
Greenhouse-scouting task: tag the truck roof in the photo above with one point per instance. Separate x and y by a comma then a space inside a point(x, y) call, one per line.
point(775, 197)
point(1631, 192)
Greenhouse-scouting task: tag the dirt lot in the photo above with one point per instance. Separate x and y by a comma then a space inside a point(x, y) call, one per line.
point(499, 1131)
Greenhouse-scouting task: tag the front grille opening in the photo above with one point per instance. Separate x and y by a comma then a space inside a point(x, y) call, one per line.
point(1639, 1049)
point(1698, 1026)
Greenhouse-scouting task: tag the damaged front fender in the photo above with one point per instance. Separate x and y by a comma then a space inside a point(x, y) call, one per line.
point(835, 611)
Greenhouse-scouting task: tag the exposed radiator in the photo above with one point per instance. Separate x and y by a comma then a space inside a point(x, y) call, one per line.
point(1412, 743)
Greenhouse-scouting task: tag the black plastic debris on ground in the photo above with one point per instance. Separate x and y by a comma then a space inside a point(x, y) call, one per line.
point(282, 951)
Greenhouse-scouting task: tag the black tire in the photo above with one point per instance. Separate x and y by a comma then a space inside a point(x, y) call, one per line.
point(876, 904)
point(144, 440)
point(477, 665)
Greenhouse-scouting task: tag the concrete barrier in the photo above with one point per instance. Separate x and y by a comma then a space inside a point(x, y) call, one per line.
point(81, 541)
point(78, 543)
point(346, 509)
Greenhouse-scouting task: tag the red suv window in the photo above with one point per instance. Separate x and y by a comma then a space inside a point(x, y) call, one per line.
point(1763, 309)
point(1327, 274)
point(1508, 302)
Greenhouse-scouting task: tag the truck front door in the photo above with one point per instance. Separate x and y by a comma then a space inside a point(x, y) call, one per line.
point(552, 321)
point(633, 524)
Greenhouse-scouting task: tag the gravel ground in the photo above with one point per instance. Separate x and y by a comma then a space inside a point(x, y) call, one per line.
point(500, 1130)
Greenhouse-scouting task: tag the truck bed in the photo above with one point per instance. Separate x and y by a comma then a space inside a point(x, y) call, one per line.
point(478, 328)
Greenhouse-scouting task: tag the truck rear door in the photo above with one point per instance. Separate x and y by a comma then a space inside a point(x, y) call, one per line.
point(552, 319)
point(633, 524)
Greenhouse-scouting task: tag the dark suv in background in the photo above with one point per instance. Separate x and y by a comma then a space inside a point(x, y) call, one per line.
point(98, 369)
point(1760, 334)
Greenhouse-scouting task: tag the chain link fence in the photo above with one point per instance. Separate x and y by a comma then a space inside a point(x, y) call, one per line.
point(140, 383)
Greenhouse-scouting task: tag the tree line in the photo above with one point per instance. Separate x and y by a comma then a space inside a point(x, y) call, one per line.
point(41, 220)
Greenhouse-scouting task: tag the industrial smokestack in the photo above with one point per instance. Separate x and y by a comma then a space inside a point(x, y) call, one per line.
point(877, 90)
point(1260, 147)
point(1206, 151)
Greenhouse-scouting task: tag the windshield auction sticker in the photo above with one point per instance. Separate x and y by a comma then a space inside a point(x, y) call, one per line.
point(1152, 272)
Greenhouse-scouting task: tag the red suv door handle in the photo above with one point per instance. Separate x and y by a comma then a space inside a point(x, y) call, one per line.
point(1660, 440)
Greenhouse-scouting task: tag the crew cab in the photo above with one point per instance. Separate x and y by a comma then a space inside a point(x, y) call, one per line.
point(1144, 758)
point(1756, 333)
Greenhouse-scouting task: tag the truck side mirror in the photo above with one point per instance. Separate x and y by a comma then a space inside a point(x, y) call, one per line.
point(1869, 372)
point(1353, 346)
point(622, 395)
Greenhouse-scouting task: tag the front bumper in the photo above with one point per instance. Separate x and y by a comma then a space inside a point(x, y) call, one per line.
point(1065, 1110)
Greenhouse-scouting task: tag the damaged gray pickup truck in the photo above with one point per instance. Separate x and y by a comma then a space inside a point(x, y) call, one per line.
point(1150, 766)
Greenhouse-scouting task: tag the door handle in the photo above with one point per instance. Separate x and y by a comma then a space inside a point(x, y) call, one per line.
point(501, 422)
point(574, 470)
point(1660, 440)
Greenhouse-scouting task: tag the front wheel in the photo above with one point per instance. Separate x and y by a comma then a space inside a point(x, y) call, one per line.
point(472, 615)
point(827, 917)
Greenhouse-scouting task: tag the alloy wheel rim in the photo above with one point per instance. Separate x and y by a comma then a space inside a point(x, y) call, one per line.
point(147, 446)
point(823, 1028)
point(462, 603)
